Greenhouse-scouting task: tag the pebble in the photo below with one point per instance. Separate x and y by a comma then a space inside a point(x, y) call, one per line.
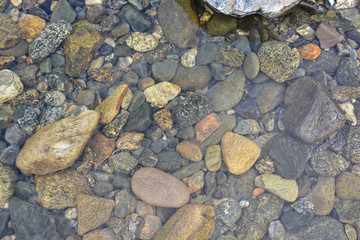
point(310, 51)
point(125, 204)
point(142, 42)
point(164, 71)
point(353, 141)
point(295, 222)
point(159, 188)
point(328, 164)
point(188, 59)
point(10, 85)
point(281, 187)
point(15, 136)
point(350, 231)
point(306, 32)
point(192, 78)
point(136, 19)
point(231, 57)
point(9, 176)
point(328, 36)
point(347, 186)
point(188, 170)
point(144, 83)
point(163, 119)
point(327, 61)
point(129, 141)
point(207, 126)
point(160, 94)
point(347, 211)
point(189, 150)
point(95, 14)
point(102, 147)
point(239, 152)
point(31, 25)
point(217, 71)
point(138, 98)
point(139, 120)
point(63, 11)
point(247, 126)
point(322, 195)
point(213, 158)
point(251, 65)
point(276, 230)
point(53, 98)
point(168, 160)
point(10, 35)
point(122, 162)
point(348, 72)
point(102, 75)
point(206, 54)
point(195, 182)
point(102, 188)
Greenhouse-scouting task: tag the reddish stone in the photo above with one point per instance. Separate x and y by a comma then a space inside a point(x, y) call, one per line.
point(310, 51)
point(102, 74)
point(189, 150)
point(258, 191)
point(163, 119)
point(102, 147)
point(207, 126)
point(328, 36)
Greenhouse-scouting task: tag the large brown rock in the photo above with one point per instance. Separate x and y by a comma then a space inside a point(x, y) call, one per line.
point(159, 188)
point(57, 146)
point(322, 195)
point(102, 147)
point(348, 186)
point(191, 222)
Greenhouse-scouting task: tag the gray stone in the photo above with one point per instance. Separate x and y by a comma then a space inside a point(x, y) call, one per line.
point(243, 44)
point(15, 136)
point(327, 61)
point(148, 158)
point(120, 182)
point(164, 71)
point(8, 156)
point(53, 98)
point(18, 50)
point(218, 71)
point(295, 222)
point(122, 162)
point(27, 73)
point(348, 72)
point(126, 204)
point(228, 210)
point(63, 11)
point(348, 211)
point(57, 60)
point(102, 188)
point(136, 19)
point(139, 120)
point(188, 170)
point(192, 78)
point(58, 80)
point(353, 145)
point(247, 108)
point(328, 164)
point(206, 53)
point(168, 161)
point(251, 65)
point(24, 190)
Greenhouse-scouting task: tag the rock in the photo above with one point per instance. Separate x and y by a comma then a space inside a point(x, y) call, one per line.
point(151, 225)
point(139, 120)
point(189, 150)
point(9, 32)
point(31, 25)
point(177, 26)
point(226, 94)
point(247, 126)
point(348, 72)
point(99, 234)
point(322, 195)
point(220, 24)
point(347, 186)
point(344, 93)
point(92, 212)
point(255, 218)
point(53, 98)
point(321, 228)
point(302, 99)
point(63, 11)
point(109, 108)
point(129, 141)
point(10, 85)
point(58, 80)
point(239, 152)
point(8, 177)
point(227, 210)
point(58, 145)
point(113, 128)
point(102, 147)
point(125, 203)
point(148, 158)
point(213, 158)
point(142, 42)
point(192, 78)
point(96, 14)
point(188, 170)
point(310, 51)
point(328, 36)
point(295, 222)
point(193, 221)
point(160, 94)
point(231, 57)
point(80, 46)
point(163, 119)
point(31, 221)
point(48, 40)
point(327, 61)
point(353, 143)
point(328, 164)
point(138, 21)
point(188, 59)
point(278, 60)
point(348, 211)
point(159, 188)
point(251, 65)
point(122, 162)
point(102, 74)
point(348, 108)
point(207, 53)
point(164, 71)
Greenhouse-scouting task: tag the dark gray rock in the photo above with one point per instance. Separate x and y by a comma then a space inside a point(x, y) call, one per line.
point(289, 155)
point(131, 78)
point(122, 51)
point(122, 162)
point(348, 72)
point(148, 158)
point(63, 11)
point(354, 35)
point(168, 161)
point(15, 136)
point(353, 145)
point(327, 61)
point(243, 44)
point(188, 170)
point(139, 120)
point(227, 210)
point(102, 188)
point(158, 146)
point(210, 183)
point(4, 219)
point(120, 30)
point(192, 78)
point(126, 204)
point(206, 53)
point(9, 155)
point(164, 71)
point(31, 222)
point(254, 39)
point(247, 108)
point(295, 222)
point(140, 67)
point(218, 71)
point(120, 182)
point(304, 118)
point(58, 80)
point(18, 50)
point(109, 22)
point(348, 211)
point(57, 60)
point(328, 164)
point(24, 190)
point(136, 19)
point(51, 115)
point(53, 98)
point(27, 73)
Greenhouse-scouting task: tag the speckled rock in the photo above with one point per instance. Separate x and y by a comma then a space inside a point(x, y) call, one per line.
point(92, 212)
point(353, 143)
point(348, 211)
point(213, 158)
point(231, 57)
point(189, 150)
point(160, 94)
point(122, 162)
point(102, 147)
point(163, 119)
point(239, 152)
point(142, 42)
point(59, 190)
point(348, 186)
point(220, 24)
point(8, 177)
point(159, 188)
point(322, 195)
point(113, 128)
point(327, 163)
point(48, 40)
point(58, 145)
point(193, 221)
point(10, 85)
point(189, 58)
point(9, 31)
point(278, 60)
point(348, 72)
point(192, 78)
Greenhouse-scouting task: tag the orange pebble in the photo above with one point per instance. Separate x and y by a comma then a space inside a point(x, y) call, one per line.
point(310, 51)
point(258, 191)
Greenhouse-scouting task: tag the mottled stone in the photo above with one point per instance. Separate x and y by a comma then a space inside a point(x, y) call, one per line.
point(189, 150)
point(10, 85)
point(192, 78)
point(163, 119)
point(188, 59)
point(59, 190)
point(239, 152)
point(9, 32)
point(8, 177)
point(328, 164)
point(122, 162)
point(92, 212)
point(348, 72)
point(159, 188)
point(328, 36)
point(353, 143)
point(231, 57)
point(102, 75)
point(213, 158)
point(5, 61)
point(247, 126)
point(192, 221)
point(348, 211)
point(129, 141)
point(58, 145)
point(113, 128)
point(102, 147)
point(322, 195)
point(142, 42)
point(195, 182)
point(348, 186)
point(160, 94)
point(207, 126)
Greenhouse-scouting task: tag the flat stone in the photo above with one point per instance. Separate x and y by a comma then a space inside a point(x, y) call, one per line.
point(9, 32)
point(353, 143)
point(288, 154)
point(92, 212)
point(281, 187)
point(195, 182)
point(295, 222)
point(192, 78)
point(251, 65)
point(164, 71)
point(59, 190)
point(328, 36)
point(129, 141)
point(302, 99)
point(63, 11)
point(10, 85)
point(239, 153)
point(348, 186)
point(163, 119)
point(151, 225)
point(159, 188)
point(226, 94)
point(8, 177)
point(102, 75)
point(213, 158)
point(278, 60)
point(160, 94)
point(207, 126)
point(348, 211)
point(322, 195)
point(142, 42)
point(327, 61)
point(102, 147)
point(139, 120)
point(31, 25)
point(247, 126)
point(110, 107)
point(328, 164)
point(189, 150)
point(310, 51)
point(268, 95)
point(194, 221)
point(348, 72)
point(58, 145)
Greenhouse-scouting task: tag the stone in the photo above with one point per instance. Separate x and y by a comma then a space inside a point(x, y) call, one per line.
point(63, 11)
point(309, 51)
point(30, 221)
point(10, 85)
point(53, 98)
point(139, 120)
point(348, 72)
point(327, 61)
point(251, 65)
point(5, 61)
point(322, 195)
point(348, 108)
point(192, 221)
point(302, 99)
point(125, 203)
point(110, 107)
point(189, 150)
point(159, 188)
point(276, 230)
point(288, 154)
point(268, 95)
point(278, 60)
point(57, 80)
point(92, 212)
point(102, 147)
point(227, 210)
point(122, 162)
point(100, 234)
point(350, 231)
point(59, 190)
point(163, 119)
point(192, 78)
point(9, 32)
point(177, 23)
point(138, 21)
point(160, 94)
point(226, 94)
point(96, 14)
point(129, 141)
point(281, 187)
point(347, 211)
point(207, 126)
point(31, 25)
point(80, 46)
point(188, 170)
point(142, 42)
point(306, 32)
point(220, 25)
point(151, 225)
point(195, 182)
point(164, 71)
point(328, 164)
point(295, 222)
point(188, 59)
point(48, 40)
point(328, 36)
point(102, 75)
point(247, 126)
point(207, 53)
point(353, 141)
point(239, 152)
point(231, 57)
point(213, 158)
point(347, 186)
point(8, 177)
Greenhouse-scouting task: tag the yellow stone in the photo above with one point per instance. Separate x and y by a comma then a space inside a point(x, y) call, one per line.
point(110, 107)
point(142, 42)
point(239, 152)
point(129, 141)
point(159, 94)
point(31, 25)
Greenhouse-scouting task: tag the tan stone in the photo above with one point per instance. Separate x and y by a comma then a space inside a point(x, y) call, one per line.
point(58, 145)
point(100, 234)
point(159, 188)
point(142, 42)
point(92, 212)
point(129, 141)
point(31, 25)
point(213, 158)
point(59, 190)
point(283, 188)
point(8, 178)
point(191, 222)
point(159, 94)
point(322, 195)
point(195, 182)
point(189, 150)
point(111, 105)
point(239, 152)
point(10, 85)
point(102, 147)
point(5, 61)
point(348, 186)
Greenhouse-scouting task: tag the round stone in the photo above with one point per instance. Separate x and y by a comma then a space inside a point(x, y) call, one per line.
point(10, 85)
point(251, 65)
point(142, 42)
